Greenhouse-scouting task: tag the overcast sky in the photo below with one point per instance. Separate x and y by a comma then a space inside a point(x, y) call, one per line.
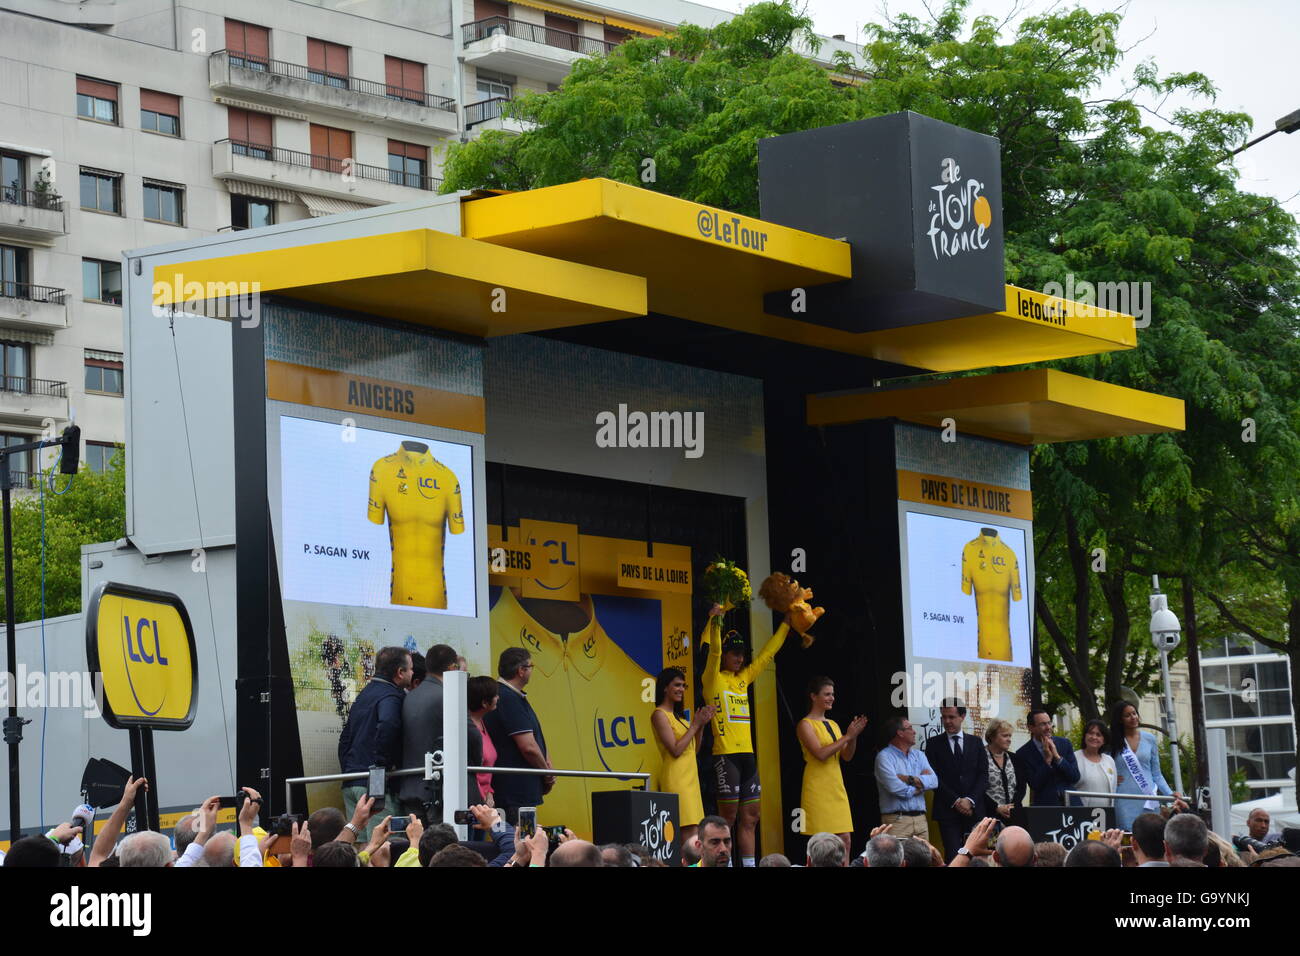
point(1247, 48)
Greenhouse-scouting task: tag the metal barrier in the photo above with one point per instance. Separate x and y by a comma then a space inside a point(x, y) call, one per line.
point(433, 771)
point(1120, 796)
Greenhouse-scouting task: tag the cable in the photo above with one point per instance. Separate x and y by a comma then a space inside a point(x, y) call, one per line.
point(198, 518)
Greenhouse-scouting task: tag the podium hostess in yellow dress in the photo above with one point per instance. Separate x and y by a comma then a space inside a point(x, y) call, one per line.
point(675, 737)
point(824, 801)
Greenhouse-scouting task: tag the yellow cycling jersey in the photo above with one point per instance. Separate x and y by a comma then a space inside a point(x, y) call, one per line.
point(989, 568)
point(589, 696)
point(421, 497)
point(729, 692)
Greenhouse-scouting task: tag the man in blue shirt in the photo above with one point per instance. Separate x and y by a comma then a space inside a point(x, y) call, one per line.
point(517, 735)
point(902, 777)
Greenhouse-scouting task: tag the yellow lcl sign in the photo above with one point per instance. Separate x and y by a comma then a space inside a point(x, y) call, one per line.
point(141, 643)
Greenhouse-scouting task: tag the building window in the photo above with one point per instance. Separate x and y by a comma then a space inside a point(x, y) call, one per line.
point(248, 46)
point(20, 464)
point(408, 164)
point(164, 202)
point(250, 133)
point(13, 272)
point(104, 376)
point(615, 37)
point(160, 113)
point(330, 147)
point(249, 213)
point(405, 79)
point(101, 191)
point(16, 366)
point(13, 177)
point(97, 100)
point(101, 281)
point(490, 85)
point(561, 32)
point(327, 63)
point(100, 454)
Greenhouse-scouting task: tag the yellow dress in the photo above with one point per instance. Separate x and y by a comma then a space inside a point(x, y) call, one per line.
point(824, 800)
point(680, 775)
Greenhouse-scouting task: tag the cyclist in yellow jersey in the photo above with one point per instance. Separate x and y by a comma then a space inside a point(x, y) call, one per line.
point(726, 687)
point(421, 497)
point(990, 569)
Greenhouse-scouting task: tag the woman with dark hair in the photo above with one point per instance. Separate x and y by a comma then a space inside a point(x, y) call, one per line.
point(824, 800)
point(1137, 766)
point(1096, 767)
point(481, 696)
point(675, 738)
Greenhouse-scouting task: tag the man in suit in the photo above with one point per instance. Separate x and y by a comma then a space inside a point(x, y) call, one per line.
point(958, 760)
point(1049, 762)
point(422, 728)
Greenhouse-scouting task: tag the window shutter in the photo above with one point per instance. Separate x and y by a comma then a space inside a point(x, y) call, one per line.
point(105, 91)
point(160, 102)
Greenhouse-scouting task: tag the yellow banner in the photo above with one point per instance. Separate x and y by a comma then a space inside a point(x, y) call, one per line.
point(345, 392)
point(142, 645)
point(510, 561)
point(965, 495)
point(558, 577)
point(654, 574)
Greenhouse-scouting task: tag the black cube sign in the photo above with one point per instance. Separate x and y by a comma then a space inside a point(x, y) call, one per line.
point(919, 200)
point(1067, 826)
point(638, 816)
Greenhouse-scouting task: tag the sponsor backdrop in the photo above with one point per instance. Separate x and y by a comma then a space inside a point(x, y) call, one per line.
point(367, 564)
point(965, 520)
point(597, 647)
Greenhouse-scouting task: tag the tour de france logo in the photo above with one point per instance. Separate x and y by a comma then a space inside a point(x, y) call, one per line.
point(959, 214)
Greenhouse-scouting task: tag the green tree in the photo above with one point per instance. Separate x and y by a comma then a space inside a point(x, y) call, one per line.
point(694, 103)
point(92, 509)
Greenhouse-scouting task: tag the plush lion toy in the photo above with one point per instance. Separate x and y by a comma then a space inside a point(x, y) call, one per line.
point(785, 596)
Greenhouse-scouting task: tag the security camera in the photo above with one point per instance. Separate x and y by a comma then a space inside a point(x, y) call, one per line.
point(1166, 632)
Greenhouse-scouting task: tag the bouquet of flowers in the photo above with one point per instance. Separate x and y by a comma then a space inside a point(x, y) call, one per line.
point(725, 583)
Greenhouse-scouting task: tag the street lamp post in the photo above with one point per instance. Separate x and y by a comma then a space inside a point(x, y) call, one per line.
point(1165, 634)
point(70, 442)
point(1287, 124)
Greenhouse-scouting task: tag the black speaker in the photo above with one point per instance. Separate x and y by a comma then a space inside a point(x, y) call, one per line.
point(103, 782)
point(71, 450)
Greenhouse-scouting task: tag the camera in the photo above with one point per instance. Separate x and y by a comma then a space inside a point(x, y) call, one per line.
point(282, 826)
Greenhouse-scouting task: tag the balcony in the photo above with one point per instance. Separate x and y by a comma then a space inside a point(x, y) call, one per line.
point(323, 175)
point(494, 113)
point(32, 400)
point(23, 305)
point(31, 216)
point(527, 49)
point(294, 86)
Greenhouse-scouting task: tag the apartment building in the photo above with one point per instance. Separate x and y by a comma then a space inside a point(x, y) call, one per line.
point(127, 123)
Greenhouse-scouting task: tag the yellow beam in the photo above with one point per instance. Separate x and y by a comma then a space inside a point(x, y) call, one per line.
point(1028, 407)
point(422, 276)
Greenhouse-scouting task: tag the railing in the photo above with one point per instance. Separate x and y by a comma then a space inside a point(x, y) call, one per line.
point(33, 386)
point(519, 30)
point(337, 80)
point(31, 197)
point(433, 769)
point(485, 110)
point(31, 293)
point(330, 164)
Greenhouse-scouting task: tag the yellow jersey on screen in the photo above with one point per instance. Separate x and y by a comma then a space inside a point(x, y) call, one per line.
point(989, 568)
point(729, 692)
point(421, 498)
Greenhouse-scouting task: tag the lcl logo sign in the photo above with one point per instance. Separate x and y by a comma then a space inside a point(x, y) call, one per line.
point(141, 644)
